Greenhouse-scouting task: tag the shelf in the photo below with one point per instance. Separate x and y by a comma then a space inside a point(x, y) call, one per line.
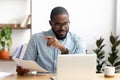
point(16, 26)
point(7, 59)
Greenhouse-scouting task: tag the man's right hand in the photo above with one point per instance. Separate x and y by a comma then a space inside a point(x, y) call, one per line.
point(52, 41)
point(21, 71)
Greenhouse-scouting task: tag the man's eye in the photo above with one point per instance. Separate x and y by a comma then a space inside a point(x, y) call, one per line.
point(65, 23)
point(58, 24)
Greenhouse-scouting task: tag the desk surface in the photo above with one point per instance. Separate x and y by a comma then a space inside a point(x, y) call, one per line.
point(47, 77)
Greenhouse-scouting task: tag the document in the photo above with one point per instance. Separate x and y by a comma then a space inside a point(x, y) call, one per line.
point(29, 64)
point(53, 77)
point(4, 75)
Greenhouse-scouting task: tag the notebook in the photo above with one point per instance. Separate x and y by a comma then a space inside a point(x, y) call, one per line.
point(76, 67)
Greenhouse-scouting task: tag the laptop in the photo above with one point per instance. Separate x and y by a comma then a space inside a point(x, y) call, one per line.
point(76, 67)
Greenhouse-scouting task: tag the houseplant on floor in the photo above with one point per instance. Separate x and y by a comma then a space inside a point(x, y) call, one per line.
point(5, 42)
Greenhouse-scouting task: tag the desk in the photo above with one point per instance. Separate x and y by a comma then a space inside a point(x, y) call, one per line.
point(47, 77)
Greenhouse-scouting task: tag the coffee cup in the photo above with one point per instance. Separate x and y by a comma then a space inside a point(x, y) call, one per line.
point(109, 71)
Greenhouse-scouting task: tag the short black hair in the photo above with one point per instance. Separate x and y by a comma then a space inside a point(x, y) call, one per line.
point(56, 11)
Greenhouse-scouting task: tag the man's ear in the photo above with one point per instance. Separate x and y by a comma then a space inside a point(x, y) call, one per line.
point(50, 22)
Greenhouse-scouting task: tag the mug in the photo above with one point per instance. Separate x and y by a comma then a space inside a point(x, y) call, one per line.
point(109, 71)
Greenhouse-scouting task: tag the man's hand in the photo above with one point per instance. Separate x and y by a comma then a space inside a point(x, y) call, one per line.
point(21, 71)
point(52, 41)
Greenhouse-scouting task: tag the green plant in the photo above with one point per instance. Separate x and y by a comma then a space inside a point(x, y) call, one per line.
point(5, 38)
point(100, 54)
point(113, 58)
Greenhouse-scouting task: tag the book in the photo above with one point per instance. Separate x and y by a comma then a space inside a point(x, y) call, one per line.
point(17, 52)
point(23, 51)
point(26, 20)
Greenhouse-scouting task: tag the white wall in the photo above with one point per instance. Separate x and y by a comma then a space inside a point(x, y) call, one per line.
point(89, 18)
point(13, 11)
point(118, 18)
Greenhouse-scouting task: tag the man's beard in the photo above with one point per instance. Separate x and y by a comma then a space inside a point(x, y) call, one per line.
point(58, 36)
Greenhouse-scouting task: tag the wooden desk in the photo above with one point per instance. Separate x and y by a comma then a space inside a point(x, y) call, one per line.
point(47, 77)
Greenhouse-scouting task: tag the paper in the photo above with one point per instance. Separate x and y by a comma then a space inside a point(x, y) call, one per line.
point(53, 77)
point(29, 64)
point(4, 74)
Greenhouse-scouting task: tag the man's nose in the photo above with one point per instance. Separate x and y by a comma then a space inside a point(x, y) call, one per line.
point(62, 27)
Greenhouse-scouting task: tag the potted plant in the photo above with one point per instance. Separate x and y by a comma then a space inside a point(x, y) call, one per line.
point(100, 54)
point(5, 42)
point(114, 59)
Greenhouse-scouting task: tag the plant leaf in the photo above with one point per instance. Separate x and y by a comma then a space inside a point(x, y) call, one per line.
point(112, 39)
point(117, 43)
point(117, 64)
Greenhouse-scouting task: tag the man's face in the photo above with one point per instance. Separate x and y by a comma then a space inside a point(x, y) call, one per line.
point(60, 26)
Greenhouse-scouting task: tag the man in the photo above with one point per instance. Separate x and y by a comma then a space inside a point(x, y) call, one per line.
point(44, 47)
